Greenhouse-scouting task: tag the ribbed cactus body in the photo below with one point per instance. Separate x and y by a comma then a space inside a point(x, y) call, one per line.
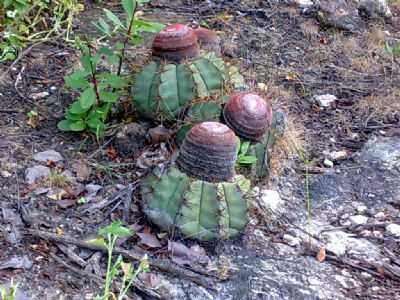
point(164, 91)
point(262, 150)
point(199, 209)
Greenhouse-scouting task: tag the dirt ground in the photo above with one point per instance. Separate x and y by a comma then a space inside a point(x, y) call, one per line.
point(291, 53)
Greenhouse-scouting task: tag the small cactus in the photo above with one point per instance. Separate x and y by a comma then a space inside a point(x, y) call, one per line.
point(252, 119)
point(209, 152)
point(164, 89)
point(248, 115)
point(196, 197)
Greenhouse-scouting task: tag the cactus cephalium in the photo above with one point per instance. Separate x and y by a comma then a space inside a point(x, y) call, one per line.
point(252, 119)
point(201, 201)
point(164, 88)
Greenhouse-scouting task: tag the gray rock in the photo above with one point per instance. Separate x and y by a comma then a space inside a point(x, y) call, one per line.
point(393, 229)
point(375, 9)
point(342, 14)
point(49, 155)
point(36, 173)
point(358, 220)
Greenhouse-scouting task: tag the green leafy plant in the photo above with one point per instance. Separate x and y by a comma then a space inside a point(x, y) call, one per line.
point(243, 157)
point(199, 209)
point(9, 294)
point(25, 22)
point(99, 90)
point(394, 51)
point(111, 233)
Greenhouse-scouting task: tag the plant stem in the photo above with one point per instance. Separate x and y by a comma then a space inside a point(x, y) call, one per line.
point(94, 79)
point(122, 56)
point(111, 242)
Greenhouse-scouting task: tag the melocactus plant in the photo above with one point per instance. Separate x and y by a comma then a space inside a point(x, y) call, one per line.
point(251, 118)
point(180, 75)
point(201, 195)
point(248, 115)
point(175, 43)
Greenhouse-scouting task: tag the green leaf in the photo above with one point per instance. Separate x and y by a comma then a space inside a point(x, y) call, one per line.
point(247, 159)
point(86, 62)
point(74, 117)
point(113, 18)
point(87, 98)
point(117, 229)
point(114, 80)
point(108, 96)
point(77, 80)
point(244, 147)
point(77, 109)
point(77, 125)
point(137, 40)
point(129, 7)
point(103, 27)
point(145, 26)
point(64, 125)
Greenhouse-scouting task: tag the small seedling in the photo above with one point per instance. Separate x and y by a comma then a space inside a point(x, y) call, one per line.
point(33, 118)
point(111, 233)
point(81, 200)
point(9, 294)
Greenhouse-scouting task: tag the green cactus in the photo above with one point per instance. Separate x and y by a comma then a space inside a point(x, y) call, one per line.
point(199, 209)
point(163, 91)
point(262, 150)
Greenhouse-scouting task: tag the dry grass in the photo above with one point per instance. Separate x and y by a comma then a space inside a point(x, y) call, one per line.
point(379, 106)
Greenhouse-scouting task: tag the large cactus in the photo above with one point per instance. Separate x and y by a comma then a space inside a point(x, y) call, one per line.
point(196, 197)
point(199, 209)
point(164, 88)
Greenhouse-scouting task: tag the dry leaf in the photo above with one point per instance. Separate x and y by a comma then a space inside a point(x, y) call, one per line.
point(321, 256)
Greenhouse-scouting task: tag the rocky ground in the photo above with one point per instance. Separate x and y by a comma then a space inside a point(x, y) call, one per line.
point(325, 226)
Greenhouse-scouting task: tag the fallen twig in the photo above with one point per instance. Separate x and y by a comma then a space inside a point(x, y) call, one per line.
point(195, 275)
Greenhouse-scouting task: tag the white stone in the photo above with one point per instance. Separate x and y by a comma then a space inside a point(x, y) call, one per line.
point(50, 155)
point(361, 209)
point(380, 215)
point(328, 163)
point(304, 3)
point(325, 100)
point(5, 174)
point(338, 155)
point(358, 220)
point(270, 200)
point(393, 229)
point(291, 240)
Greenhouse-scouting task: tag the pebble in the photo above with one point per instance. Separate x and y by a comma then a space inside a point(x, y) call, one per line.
point(358, 219)
point(380, 215)
point(40, 95)
point(328, 163)
point(325, 100)
point(36, 173)
point(393, 229)
point(49, 155)
point(291, 240)
point(338, 155)
point(271, 200)
point(5, 174)
point(361, 209)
